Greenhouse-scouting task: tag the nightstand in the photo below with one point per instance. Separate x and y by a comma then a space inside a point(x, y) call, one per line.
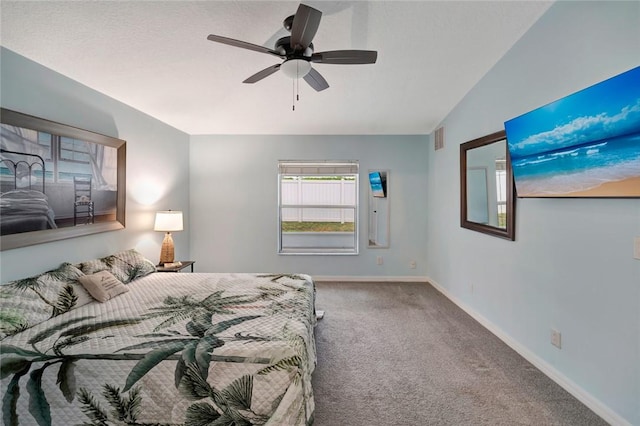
point(185, 264)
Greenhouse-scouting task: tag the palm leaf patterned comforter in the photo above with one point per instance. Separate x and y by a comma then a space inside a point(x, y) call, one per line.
point(177, 349)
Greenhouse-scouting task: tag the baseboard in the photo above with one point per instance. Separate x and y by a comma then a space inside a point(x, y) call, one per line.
point(377, 279)
point(579, 393)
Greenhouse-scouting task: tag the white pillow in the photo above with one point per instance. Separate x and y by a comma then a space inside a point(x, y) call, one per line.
point(102, 285)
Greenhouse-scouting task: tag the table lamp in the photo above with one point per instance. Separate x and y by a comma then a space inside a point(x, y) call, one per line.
point(168, 221)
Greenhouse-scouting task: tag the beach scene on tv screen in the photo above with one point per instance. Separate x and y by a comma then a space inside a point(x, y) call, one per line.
point(376, 184)
point(586, 144)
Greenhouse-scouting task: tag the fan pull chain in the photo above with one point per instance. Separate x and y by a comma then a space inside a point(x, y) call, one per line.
point(297, 80)
point(296, 88)
point(293, 95)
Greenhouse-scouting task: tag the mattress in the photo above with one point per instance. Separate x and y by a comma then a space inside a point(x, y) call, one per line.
point(177, 348)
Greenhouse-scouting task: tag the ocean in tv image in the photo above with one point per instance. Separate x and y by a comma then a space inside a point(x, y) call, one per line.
point(376, 184)
point(586, 144)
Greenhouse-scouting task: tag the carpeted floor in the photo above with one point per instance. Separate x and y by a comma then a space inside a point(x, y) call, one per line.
point(403, 354)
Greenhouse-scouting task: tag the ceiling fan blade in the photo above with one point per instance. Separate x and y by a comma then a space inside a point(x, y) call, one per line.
point(242, 44)
point(262, 74)
point(316, 81)
point(346, 57)
point(305, 25)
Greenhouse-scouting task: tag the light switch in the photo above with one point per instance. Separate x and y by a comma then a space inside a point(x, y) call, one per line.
point(636, 248)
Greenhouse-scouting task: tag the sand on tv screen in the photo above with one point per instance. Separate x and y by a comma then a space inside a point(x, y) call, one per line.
point(584, 145)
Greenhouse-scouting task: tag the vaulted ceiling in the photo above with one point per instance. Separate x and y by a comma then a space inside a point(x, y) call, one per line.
point(155, 57)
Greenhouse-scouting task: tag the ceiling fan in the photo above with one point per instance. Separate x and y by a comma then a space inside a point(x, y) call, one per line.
point(297, 50)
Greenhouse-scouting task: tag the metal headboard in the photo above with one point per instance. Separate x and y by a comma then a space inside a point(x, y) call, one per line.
point(14, 164)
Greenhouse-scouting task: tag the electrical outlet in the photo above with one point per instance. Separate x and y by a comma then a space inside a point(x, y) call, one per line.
point(379, 260)
point(556, 338)
point(412, 264)
point(636, 248)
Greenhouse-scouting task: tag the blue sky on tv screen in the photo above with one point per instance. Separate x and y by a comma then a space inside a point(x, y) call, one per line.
point(609, 109)
point(376, 184)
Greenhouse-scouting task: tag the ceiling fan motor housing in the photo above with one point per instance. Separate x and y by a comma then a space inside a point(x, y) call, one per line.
point(288, 23)
point(298, 52)
point(283, 47)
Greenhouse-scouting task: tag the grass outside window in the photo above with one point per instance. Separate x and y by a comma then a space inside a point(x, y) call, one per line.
point(317, 227)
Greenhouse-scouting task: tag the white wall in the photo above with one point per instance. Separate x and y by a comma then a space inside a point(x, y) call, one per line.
point(157, 164)
point(234, 200)
point(571, 267)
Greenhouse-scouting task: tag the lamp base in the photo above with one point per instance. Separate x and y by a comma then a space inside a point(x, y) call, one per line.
point(167, 252)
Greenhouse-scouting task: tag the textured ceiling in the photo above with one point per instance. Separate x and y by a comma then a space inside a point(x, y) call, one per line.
point(155, 57)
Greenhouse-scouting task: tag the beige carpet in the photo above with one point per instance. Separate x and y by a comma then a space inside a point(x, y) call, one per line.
point(403, 354)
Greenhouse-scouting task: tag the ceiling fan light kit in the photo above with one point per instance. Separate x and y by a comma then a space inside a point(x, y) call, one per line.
point(295, 68)
point(297, 50)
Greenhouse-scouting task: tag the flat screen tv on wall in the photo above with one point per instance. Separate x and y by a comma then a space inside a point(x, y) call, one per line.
point(584, 145)
point(378, 184)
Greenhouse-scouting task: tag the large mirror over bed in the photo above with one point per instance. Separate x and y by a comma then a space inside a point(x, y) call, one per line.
point(57, 181)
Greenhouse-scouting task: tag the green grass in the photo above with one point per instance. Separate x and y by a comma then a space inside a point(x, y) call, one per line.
point(317, 227)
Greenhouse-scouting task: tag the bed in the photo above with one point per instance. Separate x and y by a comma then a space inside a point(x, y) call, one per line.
point(176, 348)
point(27, 208)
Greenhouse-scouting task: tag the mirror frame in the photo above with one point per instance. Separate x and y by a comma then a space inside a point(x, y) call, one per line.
point(379, 207)
point(508, 232)
point(12, 241)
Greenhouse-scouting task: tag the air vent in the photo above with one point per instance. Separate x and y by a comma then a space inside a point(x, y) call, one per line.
point(439, 139)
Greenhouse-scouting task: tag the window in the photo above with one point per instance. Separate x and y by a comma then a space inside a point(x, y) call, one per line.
point(73, 150)
point(64, 157)
point(501, 191)
point(44, 143)
point(317, 207)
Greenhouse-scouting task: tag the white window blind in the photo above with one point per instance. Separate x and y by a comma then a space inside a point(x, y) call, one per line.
point(296, 168)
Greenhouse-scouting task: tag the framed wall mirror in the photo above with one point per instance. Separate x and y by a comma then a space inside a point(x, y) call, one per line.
point(379, 222)
point(57, 181)
point(487, 193)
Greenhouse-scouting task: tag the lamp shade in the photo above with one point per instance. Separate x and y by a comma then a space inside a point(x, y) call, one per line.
point(168, 221)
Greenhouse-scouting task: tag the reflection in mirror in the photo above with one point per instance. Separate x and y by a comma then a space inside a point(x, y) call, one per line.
point(486, 187)
point(378, 209)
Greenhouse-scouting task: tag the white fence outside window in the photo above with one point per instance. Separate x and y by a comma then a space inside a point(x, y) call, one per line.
point(316, 193)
